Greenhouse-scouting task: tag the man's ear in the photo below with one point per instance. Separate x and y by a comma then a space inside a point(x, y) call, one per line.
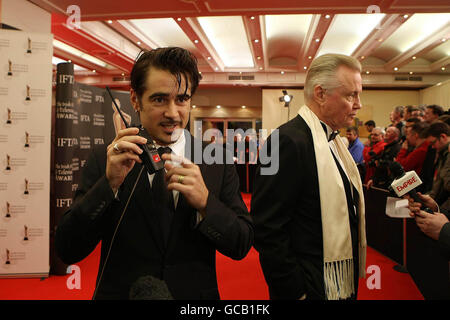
point(319, 94)
point(134, 100)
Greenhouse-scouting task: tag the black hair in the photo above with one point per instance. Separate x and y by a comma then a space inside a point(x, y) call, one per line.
point(420, 128)
point(437, 128)
point(370, 123)
point(178, 61)
point(437, 110)
point(413, 120)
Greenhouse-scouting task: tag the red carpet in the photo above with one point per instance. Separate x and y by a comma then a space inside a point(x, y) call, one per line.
point(237, 280)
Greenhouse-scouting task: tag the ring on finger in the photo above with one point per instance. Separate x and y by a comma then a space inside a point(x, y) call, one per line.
point(180, 179)
point(116, 147)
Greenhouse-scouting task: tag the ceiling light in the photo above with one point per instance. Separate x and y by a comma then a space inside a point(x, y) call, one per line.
point(253, 18)
point(216, 68)
point(317, 40)
point(243, 107)
point(200, 72)
point(93, 71)
point(443, 39)
point(438, 84)
point(256, 40)
point(414, 58)
point(305, 67)
point(195, 41)
point(310, 57)
point(179, 19)
point(411, 72)
point(138, 42)
point(209, 58)
point(218, 107)
point(367, 72)
point(327, 16)
point(194, 106)
point(109, 21)
point(443, 68)
point(282, 72)
point(70, 61)
point(258, 57)
point(260, 68)
point(395, 68)
point(78, 53)
point(363, 57)
point(405, 16)
point(381, 39)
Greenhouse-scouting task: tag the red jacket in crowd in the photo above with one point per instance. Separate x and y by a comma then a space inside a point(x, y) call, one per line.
point(377, 148)
point(413, 160)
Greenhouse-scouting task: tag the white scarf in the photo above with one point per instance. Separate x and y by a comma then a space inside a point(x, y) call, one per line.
point(337, 244)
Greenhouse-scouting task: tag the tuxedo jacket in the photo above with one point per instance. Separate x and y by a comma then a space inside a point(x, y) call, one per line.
point(186, 263)
point(286, 211)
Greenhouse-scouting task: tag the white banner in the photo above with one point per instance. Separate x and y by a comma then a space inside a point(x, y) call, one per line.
point(25, 137)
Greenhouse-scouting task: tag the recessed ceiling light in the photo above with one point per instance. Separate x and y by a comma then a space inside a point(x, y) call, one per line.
point(109, 21)
point(282, 72)
point(195, 41)
point(395, 68)
point(405, 16)
point(411, 72)
point(218, 107)
point(252, 17)
point(443, 39)
point(209, 58)
point(123, 74)
point(256, 40)
point(327, 16)
point(414, 58)
point(310, 57)
point(367, 72)
point(438, 84)
point(305, 67)
point(200, 72)
point(243, 107)
point(363, 57)
point(138, 42)
point(94, 71)
point(216, 68)
point(258, 57)
point(179, 19)
point(317, 40)
point(443, 68)
point(70, 61)
point(381, 39)
point(194, 106)
point(260, 68)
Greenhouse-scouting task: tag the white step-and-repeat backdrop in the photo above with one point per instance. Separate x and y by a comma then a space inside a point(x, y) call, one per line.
point(25, 137)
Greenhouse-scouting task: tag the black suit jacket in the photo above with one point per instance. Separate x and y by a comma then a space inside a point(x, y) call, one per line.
point(186, 264)
point(286, 211)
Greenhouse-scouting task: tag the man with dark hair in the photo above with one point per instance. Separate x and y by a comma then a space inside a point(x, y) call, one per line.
point(167, 224)
point(439, 138)
point(355, 146)
point(432, 113)
point(397, 119)
point(370, 125)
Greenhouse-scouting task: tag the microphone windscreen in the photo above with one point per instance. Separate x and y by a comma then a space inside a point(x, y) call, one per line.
point(149, 288)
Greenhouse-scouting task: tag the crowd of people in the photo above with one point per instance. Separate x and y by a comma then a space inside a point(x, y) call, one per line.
point(418, 138)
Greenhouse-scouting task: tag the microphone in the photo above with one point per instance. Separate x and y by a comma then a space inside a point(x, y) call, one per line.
point(406, 183)
point(150, 156)
point(149, 288)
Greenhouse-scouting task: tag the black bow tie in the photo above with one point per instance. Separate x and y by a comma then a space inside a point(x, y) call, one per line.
point(332, 135)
